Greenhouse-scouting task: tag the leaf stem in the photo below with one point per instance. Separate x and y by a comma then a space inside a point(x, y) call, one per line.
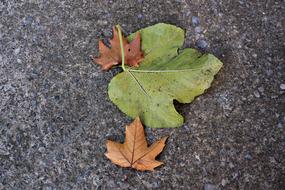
point(121, 46)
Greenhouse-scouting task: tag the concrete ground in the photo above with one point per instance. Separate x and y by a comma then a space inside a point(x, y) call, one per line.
point(55, 115)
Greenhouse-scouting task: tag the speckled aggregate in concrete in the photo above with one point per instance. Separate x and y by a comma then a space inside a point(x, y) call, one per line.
point(55, 115)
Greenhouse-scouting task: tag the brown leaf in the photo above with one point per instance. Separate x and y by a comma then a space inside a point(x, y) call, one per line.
point(134, 152)
point(112, 56)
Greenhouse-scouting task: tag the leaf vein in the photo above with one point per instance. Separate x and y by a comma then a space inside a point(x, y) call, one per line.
point(139, 84)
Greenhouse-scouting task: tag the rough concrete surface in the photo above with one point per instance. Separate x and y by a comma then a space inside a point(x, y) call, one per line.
point(55, 115)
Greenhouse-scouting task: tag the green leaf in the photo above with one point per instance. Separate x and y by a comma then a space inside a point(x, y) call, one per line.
point(164, 75)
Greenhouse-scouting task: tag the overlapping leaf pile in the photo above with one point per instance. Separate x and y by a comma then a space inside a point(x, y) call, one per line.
point(149, 83)
point(163, 75)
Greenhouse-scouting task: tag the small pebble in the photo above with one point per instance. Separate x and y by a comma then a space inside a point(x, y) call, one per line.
point(209, 187)
point(41, 149)
point(33, 103)
point(279, 125)
point(195, 21)
point(201, 44)
point(234, 175)
point(282, 86)
point(17, 51)
point(224, 182)
point(256, 94)
point(248, 157)
point(4, 152)
point(102, 22)
point(231, 165)
point(29, 18)
point(198, 29)
point(272, 159)
point(260, 89)
point(107, 33)
point(269, 72)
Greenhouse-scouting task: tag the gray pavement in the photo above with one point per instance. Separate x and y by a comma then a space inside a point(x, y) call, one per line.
point(55, 115)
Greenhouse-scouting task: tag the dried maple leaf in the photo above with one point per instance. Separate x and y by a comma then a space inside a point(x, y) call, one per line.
point(112, 56)
point(134, 152)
